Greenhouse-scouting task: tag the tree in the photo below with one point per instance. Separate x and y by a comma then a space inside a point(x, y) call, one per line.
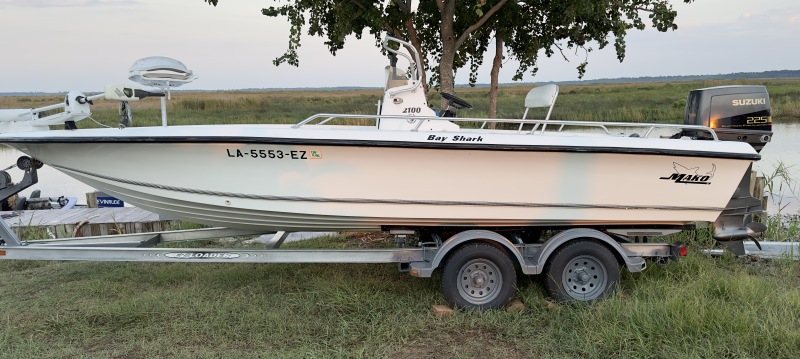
point(579, 23)
point(336, 20)
point(524, 28)
point(449, 34)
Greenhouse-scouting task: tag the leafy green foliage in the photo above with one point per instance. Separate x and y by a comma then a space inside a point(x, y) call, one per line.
point(554, 26)
point(452, 34)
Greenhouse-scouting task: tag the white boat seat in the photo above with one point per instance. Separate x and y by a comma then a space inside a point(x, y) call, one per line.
point(542, 96)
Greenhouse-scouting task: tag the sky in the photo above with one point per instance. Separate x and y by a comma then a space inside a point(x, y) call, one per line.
point(64, 45)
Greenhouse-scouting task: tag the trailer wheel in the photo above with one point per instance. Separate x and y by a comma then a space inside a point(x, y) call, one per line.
point(581, 271)
point(478, 276)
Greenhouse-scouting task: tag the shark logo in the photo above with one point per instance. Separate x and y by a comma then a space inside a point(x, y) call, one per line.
point(687, 175)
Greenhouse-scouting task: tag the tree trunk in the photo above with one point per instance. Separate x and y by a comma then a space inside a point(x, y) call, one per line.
point(495, 86)
point(446, 76)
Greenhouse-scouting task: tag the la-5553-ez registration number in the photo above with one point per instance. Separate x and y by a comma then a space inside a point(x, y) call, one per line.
point(276, 154)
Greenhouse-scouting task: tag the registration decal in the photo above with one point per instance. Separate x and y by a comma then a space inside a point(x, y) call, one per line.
point(273, 154)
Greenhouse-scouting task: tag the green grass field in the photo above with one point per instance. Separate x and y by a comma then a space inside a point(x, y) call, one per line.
point(640, 102)
point(701, 307)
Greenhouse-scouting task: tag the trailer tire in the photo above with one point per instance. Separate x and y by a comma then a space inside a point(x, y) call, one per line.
point(582, 271)
point(478, 275)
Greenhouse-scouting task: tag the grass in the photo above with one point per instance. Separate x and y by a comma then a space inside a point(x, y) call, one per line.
point(701, 307)
point(634, 102)
point(782, 226)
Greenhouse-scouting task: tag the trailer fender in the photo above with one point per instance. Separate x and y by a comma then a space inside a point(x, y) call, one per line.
point(633, 262)
point(463, 237)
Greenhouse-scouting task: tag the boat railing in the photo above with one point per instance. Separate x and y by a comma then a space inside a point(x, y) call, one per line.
point(538, 126)
point(413, 62)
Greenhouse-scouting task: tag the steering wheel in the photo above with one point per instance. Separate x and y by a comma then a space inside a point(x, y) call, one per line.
point(455, 100)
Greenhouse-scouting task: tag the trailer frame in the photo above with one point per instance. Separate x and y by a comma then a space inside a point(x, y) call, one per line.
point(420, 261)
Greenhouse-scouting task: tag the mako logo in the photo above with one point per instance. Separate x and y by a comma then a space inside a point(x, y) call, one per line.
point(749, 101)
point(687, 175)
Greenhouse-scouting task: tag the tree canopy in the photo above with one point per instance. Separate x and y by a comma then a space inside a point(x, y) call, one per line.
point(451, 34)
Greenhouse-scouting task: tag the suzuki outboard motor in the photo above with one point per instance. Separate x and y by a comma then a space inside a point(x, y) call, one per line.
point(736, 113)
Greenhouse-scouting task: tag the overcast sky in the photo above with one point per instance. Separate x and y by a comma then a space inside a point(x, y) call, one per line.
point(62, 45)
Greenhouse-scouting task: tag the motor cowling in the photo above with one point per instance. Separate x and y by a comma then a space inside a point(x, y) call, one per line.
point(736, 113)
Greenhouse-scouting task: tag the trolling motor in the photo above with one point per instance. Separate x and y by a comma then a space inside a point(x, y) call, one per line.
point(162, 73)
point(124, 94)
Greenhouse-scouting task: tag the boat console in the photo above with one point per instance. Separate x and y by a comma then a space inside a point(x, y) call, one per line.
point(404, 105)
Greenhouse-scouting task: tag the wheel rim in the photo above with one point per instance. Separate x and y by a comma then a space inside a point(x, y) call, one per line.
point(585, 278)
point(479, 281)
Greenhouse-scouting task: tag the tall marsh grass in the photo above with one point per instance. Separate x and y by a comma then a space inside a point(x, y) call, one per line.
point(633, 102)
point(782, 225)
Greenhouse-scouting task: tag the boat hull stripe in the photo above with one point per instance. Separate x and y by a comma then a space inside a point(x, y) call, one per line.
point(388, 201)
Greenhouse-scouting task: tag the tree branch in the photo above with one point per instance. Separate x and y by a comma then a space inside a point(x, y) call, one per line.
point(561, 51)
point(479, 23)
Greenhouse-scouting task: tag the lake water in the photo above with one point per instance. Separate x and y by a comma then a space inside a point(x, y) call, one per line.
point(784, 148)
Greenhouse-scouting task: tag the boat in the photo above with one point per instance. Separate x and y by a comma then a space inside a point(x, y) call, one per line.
point(406, 166)
point(474, 192)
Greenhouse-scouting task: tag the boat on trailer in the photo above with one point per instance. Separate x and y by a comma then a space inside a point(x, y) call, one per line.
point(408, 170)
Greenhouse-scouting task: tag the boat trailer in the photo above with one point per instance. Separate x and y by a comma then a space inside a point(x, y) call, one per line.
point(478, 265)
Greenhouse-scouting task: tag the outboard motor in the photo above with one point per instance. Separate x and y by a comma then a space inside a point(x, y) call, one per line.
point(736, 113)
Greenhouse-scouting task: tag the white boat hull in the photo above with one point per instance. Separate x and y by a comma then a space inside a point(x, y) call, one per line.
point(268, 178)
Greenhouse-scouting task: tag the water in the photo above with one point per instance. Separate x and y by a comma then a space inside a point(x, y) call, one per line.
point(784, 148)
